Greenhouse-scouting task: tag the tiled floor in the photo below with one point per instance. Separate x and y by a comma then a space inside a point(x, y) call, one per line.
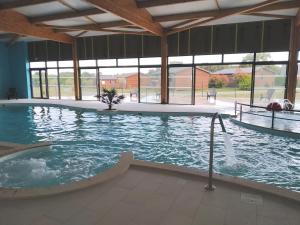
point(148, 197)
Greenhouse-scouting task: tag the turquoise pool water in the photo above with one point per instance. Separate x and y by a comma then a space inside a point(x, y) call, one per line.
point(88, 142)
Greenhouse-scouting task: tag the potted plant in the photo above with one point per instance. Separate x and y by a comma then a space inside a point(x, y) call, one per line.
point(110, 97)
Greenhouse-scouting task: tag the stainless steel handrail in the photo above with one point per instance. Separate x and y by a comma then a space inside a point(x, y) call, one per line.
point(209, 186)
point(273, 117)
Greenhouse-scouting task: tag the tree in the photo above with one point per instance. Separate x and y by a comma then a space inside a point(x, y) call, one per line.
point(215, 82)
point(244, 82)
point(259, 57)
point(110, 97)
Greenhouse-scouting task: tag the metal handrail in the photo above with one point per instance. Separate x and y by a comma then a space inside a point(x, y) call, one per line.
point(209, 186)
point(261, 107)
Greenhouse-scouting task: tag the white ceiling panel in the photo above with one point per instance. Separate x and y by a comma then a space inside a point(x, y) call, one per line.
point(171, 23)
point(74, 33)
point(79, 4)
point(238, 19)
point(193, 22)
point(96, 33)
point(183, 8)
point(126, 29)
point(240, 3)
point(69, 22)
point(105, 17)
point(43, 9)
point(285, 12)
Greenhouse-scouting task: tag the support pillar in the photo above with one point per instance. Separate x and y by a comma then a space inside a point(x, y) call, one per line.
point(164, 69)
point(76, 71)
point(293, 64)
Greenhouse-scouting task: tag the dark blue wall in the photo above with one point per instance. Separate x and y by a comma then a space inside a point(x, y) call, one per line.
point(14, 70)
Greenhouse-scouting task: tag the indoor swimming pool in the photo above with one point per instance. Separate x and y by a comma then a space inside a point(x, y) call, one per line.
point(86, 142)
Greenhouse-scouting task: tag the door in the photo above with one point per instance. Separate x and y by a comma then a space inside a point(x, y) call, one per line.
point(39, 83)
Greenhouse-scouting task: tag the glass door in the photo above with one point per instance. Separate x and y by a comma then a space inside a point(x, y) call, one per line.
point(39, 83)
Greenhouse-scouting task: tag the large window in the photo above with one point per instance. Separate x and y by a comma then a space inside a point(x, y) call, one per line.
point(297, 100)
point(270, 83)
point(124, 79)
point(53, 86)
point(88, 82)
point(150, 85)
point(201, 79)
point(223, 84)
point(180, 85)
point(66, 80)
point(35, 84)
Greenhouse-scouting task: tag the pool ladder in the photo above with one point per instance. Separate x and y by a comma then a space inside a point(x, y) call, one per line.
point(210, 186)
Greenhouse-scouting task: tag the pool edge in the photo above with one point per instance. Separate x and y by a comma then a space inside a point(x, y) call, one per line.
point(126, 161)
point(118, 169)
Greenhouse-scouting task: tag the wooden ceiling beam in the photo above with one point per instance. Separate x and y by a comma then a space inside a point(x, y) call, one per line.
point(269, 15)
point(128, 11)
point(226, 13)
point(152, 3)
point(92, 27)
point(87, 27)
point(66, 15)
point(22, 3)
point(14, 22)
point(213, 13)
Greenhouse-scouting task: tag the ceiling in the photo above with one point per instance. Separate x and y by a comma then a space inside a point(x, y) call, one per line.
point(80, 18)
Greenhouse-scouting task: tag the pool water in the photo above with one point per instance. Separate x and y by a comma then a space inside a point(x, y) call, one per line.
point(88, 142)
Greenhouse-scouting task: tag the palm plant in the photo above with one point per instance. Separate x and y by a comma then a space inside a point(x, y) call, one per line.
point(110, 97)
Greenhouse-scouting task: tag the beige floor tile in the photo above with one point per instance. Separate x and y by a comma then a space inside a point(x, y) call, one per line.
point(83, 217)
point(176, 219)
point(241, 214)
point(272, 208)
point(171, 186)
point(130, 179)
point(120, 213)
point(263, 220)
point(209, 215)
point(187, 202)
point(104, 202)
point(45, 221)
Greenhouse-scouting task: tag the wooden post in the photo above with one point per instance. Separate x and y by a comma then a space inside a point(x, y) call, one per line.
point(293, 64)
point(164, 69)
point(76, 71)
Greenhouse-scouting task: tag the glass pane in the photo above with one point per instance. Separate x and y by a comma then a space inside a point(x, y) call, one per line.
point(181, 60)
point(272, 56)
point(37, 65)
point(87, 63)
point(128, 62)
point(65, 63)
point(244, 57)
point(125, 80)
point(53, 83)
point(223, 84)
point(297, 100)
point(44, 84)
point(66, 80)
point(180, 85)
point(269, 83)
point(52, 64)
point(150, 85)
point(107, 62)
point(88, 81)
point(35, 79)
point(208, 59)
point(150, 61)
